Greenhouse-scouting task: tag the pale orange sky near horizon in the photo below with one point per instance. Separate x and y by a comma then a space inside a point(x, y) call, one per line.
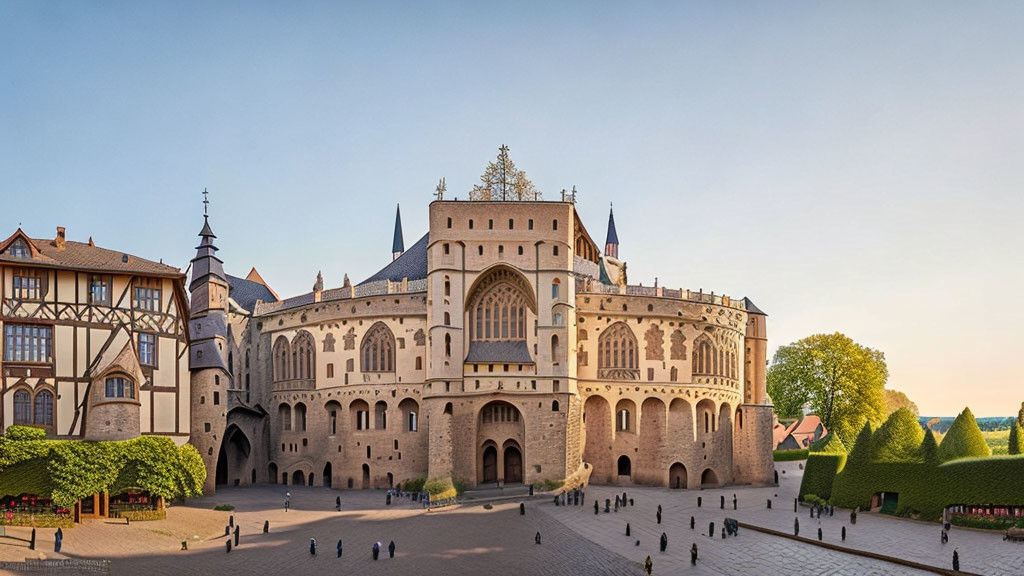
point(851, 167)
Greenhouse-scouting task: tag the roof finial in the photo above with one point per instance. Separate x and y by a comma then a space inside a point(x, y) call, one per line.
point(442, 187)
point(206, 202)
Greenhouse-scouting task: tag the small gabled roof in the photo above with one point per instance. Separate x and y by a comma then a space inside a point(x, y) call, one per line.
point(245, 292)
point(750, 307)
point(84, 256)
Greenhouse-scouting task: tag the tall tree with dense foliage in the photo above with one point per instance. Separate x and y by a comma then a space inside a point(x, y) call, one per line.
point(894, 400)
point(836, 378)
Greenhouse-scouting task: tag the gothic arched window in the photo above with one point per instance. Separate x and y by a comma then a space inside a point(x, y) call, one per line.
point(304, 352)
point(282, 352)
point(44, 408)
point(617, 353)
point(705, 357)
point(377, 352)
point(22, 407)
point(499, 312)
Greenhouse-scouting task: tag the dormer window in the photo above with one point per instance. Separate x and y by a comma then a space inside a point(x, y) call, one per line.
point(19, 249)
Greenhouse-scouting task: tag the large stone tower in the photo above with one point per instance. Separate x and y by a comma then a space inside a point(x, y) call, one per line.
point(208, 328)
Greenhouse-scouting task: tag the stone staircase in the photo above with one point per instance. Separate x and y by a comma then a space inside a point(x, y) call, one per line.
point(495, 492)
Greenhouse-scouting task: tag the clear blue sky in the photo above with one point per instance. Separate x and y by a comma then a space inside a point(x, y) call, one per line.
point(851, 167)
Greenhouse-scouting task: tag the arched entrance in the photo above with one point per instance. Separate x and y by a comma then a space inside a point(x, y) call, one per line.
point(490, 465)
point(233, 459)
point(708, 478)
point(327, 475)
point(625, 467)
point(501, 437)
point(366, 476)
point(597, 419)
point(298, 478)
point(677, 476)
point(513, 464)
point(310, 478)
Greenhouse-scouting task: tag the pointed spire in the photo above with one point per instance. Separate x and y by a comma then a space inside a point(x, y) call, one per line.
point(398, 244)
point(611, 243)
point(318, 286)
point(206, 263)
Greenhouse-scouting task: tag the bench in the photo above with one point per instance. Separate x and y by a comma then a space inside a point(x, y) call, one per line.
point(1014, 534)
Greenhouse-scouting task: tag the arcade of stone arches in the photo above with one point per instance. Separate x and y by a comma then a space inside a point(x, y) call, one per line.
point(663, 442)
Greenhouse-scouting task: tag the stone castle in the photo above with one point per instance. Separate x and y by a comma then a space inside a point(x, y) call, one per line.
point(502, 347)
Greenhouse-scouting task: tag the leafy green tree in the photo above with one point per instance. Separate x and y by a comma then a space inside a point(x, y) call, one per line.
point(501, 180)
point(836, 378)
point(1016, 442)
point(964, 439)
point(828, 444)
point(894, 400)
point(898, 439)
point(1020, 414)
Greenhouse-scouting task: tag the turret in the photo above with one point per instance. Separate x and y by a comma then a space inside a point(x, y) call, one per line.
point(208, 352)
point(398, 244)
point(611, 243)
point(756, 354)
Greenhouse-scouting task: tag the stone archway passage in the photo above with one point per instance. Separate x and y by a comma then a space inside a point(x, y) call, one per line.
point(366, 476)
point(272, 471)
point(490, 465)
point(233, 457)
point(625, 466)
point(298, 478)
point(513, 465)
point(327, 475)
point(677, 476)
point(708, 478)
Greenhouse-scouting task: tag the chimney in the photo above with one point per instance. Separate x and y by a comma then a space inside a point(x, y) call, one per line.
point(60, 240)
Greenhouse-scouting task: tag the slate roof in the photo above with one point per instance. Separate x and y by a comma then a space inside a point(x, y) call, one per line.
point(82, 256)
point(246, 292)
point(412, 264)
point(499, 352)
point(749, 305)
point(398, 244)
point(613, 237)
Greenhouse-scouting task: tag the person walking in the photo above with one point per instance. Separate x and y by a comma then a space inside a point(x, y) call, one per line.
point(339, 548)
point(376, 550)
point(956, 560)
point(693, 554)
point(664, 541)
point(536, 539)
point(312, 546)
point(648, 566)
point(337, 503)
point(391, 549)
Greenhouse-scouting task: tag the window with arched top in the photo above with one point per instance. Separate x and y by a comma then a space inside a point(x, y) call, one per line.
point(617, 353)
point(447, 286)
point(377, 351)
point(119, 387)
point(282, 353)
point(498, 311)
point(447, 319)
point(43, 408)
point(622, 421)
point(555, 351)
point(555, 285)
point(704, 357)
point(304, 352)
point(284, 414)
point(447, 345)
point(22, 407)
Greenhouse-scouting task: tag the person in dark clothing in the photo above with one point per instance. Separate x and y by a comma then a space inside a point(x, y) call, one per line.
point(536, 539)
point(844, 533)
point(58, 540)
point(664, 541)
point(693, 554)
point(796, 526)
point(391, 549)
point(945, 536)
point(339, 548)
point(711, 530)
point(312, 546)
point(659, 514)
point(693, 522)
point(376, 550)
point(648, 566)
point(337, 503)
point(956, 560)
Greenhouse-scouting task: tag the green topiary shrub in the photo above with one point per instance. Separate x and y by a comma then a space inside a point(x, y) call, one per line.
point(828, 444)
point(930, 449)
point(145, 515)
point(1015, 445)
point(820, 474)
point(224, 507)
point(440, 488)
point(789, 455)
point(898, 439)
point(964, 439)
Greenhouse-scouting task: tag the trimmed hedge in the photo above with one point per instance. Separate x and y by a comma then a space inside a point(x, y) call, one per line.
point(144, 515)
point(68, 470)
point(1015, 444)
point(964, 439)
point(898, 439)
point(789, 455)
point(820, 474)
point(39, 520)
point(440, 489)
point(925, 486)
point(829, 444)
